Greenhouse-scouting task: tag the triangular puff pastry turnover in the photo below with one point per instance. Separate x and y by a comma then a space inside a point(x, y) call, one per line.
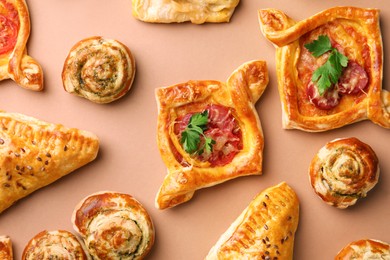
point(264, 230)
point(34, 154)
point(209, 132)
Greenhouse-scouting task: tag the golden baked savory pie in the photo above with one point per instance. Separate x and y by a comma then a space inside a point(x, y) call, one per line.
point(177, 11)
point(99, 69)
point(56, 244)
point(6, 252)
point(209, 132)
point(329, 67)
point(35, 153)
point(264, 230)
point(365, 249)
point(343, 171)
point(114, 226)
point(15, 31)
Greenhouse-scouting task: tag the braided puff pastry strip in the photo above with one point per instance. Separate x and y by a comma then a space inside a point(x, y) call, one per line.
point(365, 249)
point(232, 124)
point(264, 230)
point(34, 153)
point(343, 171)
point(358, 94)
point(56, 244)
point(14, 61)
point(178, 11)
point(114, 226)
point(98, 69)
point(6, 252)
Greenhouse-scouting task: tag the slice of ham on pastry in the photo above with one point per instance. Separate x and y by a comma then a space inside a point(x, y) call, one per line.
point(6, 252)
point(35, 153)
point(56, 244)
point(178, 11)
point(329, 68)
point(264, 230)
point(209, 132)
point(365, 249)
point(14, 61)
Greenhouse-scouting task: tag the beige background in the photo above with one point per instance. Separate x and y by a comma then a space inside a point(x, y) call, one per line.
point(129, 160)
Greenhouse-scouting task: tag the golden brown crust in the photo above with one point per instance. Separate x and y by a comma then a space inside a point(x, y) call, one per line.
point(6, 252)
point(15, 63)
point(243, 88)
point(365, 249)
point(114, 225)
point(36, 153)
point(264, 230)
point(56, 244)
point(178, 11)
point(343, 171)
point(357, 31)
point(98, 69)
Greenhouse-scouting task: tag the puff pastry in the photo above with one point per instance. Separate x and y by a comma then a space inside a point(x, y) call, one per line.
point(365, 249)
point(14, 61)
point(99, 69)
point(35, 153)
point(264, 230)
point(114, 226)
point(357, 95)
point(178, 11)
point(6, 252)
point(56, 244)
point(343, 171)
point(232, 126)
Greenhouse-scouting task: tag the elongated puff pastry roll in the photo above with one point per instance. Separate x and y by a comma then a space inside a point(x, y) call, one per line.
point(264, 230)
point(99, 69)
point(14, 61)
point(209, 132)
point(329, 68)
point(114, 226)
point(35, 153)
point(343, 171)
point(365, 249)
point(56, 244)
point(178, 11)
point(6, 252)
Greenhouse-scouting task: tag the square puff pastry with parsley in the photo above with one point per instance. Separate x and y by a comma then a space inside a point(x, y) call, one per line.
point(178, 11)
point(35, 153)
point(264, 230)
point(230, 102)
point(355, 33)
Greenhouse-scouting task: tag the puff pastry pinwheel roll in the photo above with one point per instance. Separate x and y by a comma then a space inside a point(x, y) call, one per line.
point(114, 226)
point(56, 244)
point(14, 61)
point(329, 68)
point(343, 171)
point(178, 11)
point(34, 153)
point(264, 230)
point(365, 249)
point(6, 252)
point(209, 132)
point(99, 69)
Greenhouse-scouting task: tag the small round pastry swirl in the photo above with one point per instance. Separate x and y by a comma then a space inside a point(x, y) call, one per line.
point(364, 249)
point(57, 244)
point(101, 70)
point(114, 226)
point(343, 171)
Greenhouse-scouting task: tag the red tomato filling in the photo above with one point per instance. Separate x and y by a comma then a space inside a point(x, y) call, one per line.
point(223, 128)
point(9, 26)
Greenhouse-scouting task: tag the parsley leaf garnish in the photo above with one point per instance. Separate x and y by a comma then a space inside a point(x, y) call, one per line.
point(190, 137)
point(330, 72)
